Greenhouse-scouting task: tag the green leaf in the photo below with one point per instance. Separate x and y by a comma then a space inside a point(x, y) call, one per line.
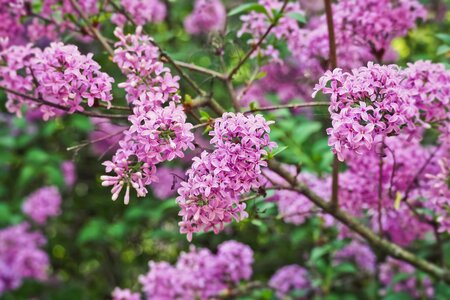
point(444, 37)
point(297, 16)
point(92, 231)
point(246, 8)
point(303, 131)
point(443, 49)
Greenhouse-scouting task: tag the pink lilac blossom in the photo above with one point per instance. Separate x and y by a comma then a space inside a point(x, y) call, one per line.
point(124, 294)
point(209, 198)
point(288, 279)
point(366, 105)
point(417, 287)
point(11, 30)
point(213, 273)
point(168, 182)
point(69, 173)
point(207, 16)
point(141, 11)
point(15, 74)
point(21, 256)
point(157, 133)
point(358, 252)
point(42, 204)
point(67, 77)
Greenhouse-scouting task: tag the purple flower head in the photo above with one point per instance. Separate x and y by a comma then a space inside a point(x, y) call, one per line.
point(141, 11)
point(289, 278)
point(208, 15)
point(124, 294)
point(21, 256)
point(69, 172)
point(42, 204)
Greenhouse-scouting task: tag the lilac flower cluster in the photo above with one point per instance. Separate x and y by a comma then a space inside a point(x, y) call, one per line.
point(21, 256)
point(358, 252)
point(207, 16)
point(288, 279)
point(419, 288)
point(69, 173)
point(210, 196)
point(198, 274)
point(67, 77)
point(42, 204)
point(60, 74)
point(157, 133)
point(124, 294)
point(367, 105)
point(141, 11)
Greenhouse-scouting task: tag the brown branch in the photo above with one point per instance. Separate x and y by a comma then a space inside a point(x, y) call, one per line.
point(288, 106)
point(333, 64)
point(256, 46)
point(384, 245)
point(62, 107)
point(77, 147)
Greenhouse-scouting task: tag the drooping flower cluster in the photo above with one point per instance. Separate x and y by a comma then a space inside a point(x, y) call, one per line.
point(141, 11)
point(198, 274)
point(417, 287)
point(207, 16)
point(67, 77)
point(42, 204)
point(289, 279)
point(21, 256)
point(157, 133)
point(60, 74)
point(367, 105)
point(210, 196)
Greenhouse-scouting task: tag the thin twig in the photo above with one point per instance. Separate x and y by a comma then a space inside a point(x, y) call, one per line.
point(333, 64)
point(77, 147)
point(256, 46)
point(288, 106)
point(62, 107)
point(200, 69)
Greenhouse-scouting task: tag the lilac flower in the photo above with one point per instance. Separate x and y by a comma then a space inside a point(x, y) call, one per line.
point(289, 278)
point(141, 11)
point(158, 131)
point(67, 77)
point(410, 285)
point(69, 172)
point(367, 105)
point(208, 15)
point(124, 294)
point(360, 253)
point(213, 274)
point(21, 256)
point(209, 198)
point(42, 204)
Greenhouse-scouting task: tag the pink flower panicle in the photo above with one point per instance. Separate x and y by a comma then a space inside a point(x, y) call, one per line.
point(209, 198)
point(59, 74)
point(358, 252)
point(21, 256)
point(207, 16)
point(392, 267)
point(124, 294)
point(366, 105)
point(212, 273)
point(288, 279)
point(157, 133)
point(42, 204)
point(141, 11)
